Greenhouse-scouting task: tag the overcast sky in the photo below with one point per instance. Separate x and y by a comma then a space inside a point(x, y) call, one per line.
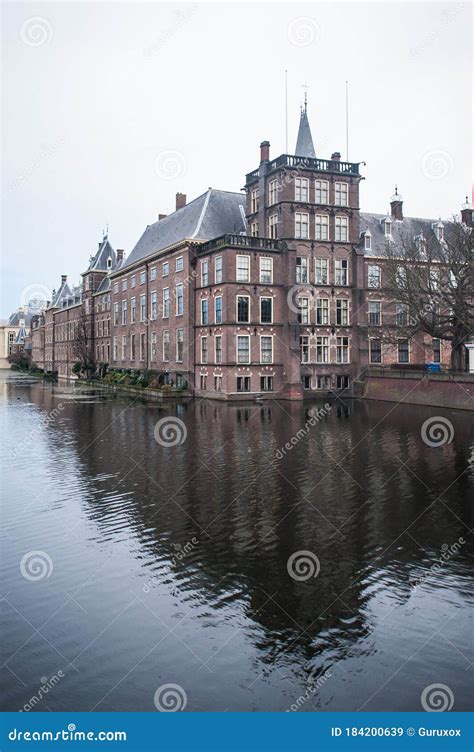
point(110, 109)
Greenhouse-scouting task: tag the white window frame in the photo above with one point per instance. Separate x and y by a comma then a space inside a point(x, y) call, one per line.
point(239, 295)
point(262, 272)
point(242, 336)
point(370, 276)
point(322, 226)
point(321, 192)
point(341, 194)
point(272, 192)
point(218, 270)
point(218, 297)
point(273, 226)
point(270, 337)
point(238, 271)
point(179, 264)
point(323, 264)
point(180, 299)
point(302, 189)
point(341, 229)
point(301, 224)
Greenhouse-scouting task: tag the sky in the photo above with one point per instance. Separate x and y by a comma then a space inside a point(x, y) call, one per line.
point(110, 108)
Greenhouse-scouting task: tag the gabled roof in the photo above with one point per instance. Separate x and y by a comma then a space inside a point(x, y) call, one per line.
point(15, 318)
point(98, 263)
point(208, 216)
point(58, 297)
point(304, 142)
point(405, 230)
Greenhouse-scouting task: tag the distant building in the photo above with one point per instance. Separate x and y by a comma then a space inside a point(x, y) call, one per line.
point(275, 292)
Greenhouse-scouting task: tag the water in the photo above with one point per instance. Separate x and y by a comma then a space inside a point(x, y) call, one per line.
point(169, 565)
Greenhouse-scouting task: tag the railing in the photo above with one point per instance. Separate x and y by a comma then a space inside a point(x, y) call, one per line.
point(309, 163)
point(239, 241)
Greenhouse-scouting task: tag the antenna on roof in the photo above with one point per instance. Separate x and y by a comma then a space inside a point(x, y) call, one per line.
point(305, 87)
point(347, 121)
point(286, 111)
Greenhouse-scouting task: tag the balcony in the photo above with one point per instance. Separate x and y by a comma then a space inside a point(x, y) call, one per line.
point(239, 241)
point(308, 163)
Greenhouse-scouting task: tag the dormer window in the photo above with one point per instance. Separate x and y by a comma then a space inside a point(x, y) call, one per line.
point(109, 263)
point(367, 241)
point(438, 229)
point(420, 243)
point(388, 227)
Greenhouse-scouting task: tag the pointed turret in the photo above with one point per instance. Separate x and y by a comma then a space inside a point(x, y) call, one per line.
point(304, 143)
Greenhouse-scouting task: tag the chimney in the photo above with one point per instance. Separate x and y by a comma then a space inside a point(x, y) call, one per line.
point(396, 205)
point(63, 279)
point(180, 200)
point(161, 216)
point(336, 156)
point(120, 254)
point(265, 151)
point(467, 214)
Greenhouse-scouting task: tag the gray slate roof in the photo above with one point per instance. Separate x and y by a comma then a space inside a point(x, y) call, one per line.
point(304, 142)
point(208, 216)
point(98, 262)
point(17, 316)
point(407, 229)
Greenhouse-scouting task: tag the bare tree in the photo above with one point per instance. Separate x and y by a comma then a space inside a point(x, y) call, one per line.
point(82, 345)
point(430, 285)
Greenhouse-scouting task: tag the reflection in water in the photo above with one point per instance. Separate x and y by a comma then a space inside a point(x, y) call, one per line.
point(170, 563)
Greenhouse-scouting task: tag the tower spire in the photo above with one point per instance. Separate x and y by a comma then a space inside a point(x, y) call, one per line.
point(304, 142)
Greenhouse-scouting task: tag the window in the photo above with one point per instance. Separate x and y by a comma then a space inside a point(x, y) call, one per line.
point(375, 350)
point(218, 270)
point(403, 351)
point(434, 279)
point(303, 310)
point(266, 310)
point(218, 309)
point(301, 189)
point(322, 271)
point(166, 345)
point(116, 287)
point(342, 312)
point(341, 229)
point(273, 192)
point(243, 383)
point(153, 346)
point(204, 273)
point(367, 241)
point(142, 346)
point(115, 349)
point(133, 281)
point(342, 382)
point(341, 194)
point(218, 348)
point(243, 309)
point(266, 350)
point(179, 300)
point(124, 284)
point(266, 270)
point(322, 311)
point(165, 269)
point(342, 349)
point(204, 312)
point(373, 275)
point(322, 192)
point(142, 307)
point(243, 268)
point(301, 270)
point(142, 278)
point(154, 305)
point(124, 348)
point(323, 382)
point(153, 273)
point(374, 312)
point(133, 310)
point(273, 226)
point(203, 349)
point(166, 302)
point(132, 347)
point(436, 350)
point(203, 381)
point(243, 348)
point(116, 314)
point(266, 383)
point(304, 349)
point(254, 201)
point(401, 314)
point(322, 349)
point(179, 345)
point(179, 264)
point(254, 229)
point(401, 277)
point(301, 225)
point(306, 382)
point(217, 383)
point(322, 227)
point(124, 311)
point(341, 269)
point(388, 227)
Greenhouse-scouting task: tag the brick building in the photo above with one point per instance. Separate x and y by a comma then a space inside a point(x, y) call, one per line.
point(277, 291)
